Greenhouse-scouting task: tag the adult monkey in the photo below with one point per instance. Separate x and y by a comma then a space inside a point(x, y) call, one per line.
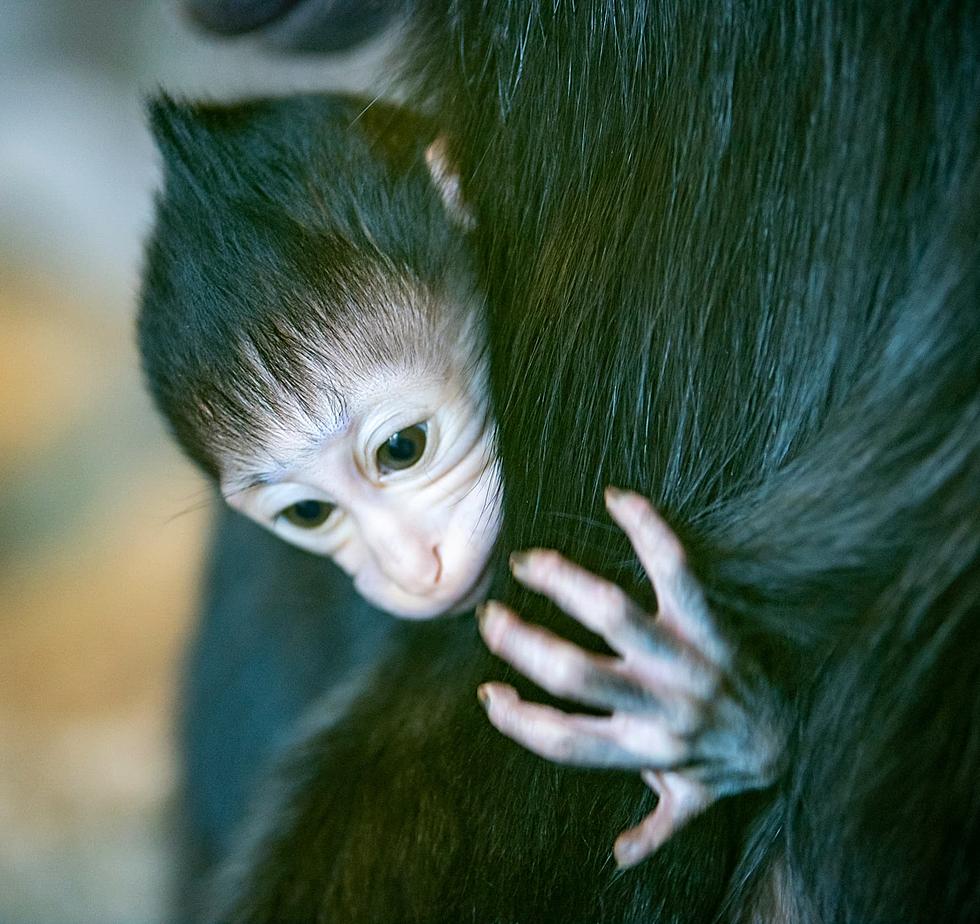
point(758, 228)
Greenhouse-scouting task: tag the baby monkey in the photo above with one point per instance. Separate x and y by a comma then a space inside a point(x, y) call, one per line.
point(310, 328)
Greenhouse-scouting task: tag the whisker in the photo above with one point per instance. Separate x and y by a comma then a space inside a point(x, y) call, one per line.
point(365, 109)
point(195, 507)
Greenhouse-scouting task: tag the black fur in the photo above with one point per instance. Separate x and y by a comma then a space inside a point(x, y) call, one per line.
point(295, 239)
point(733, 259)
point(290, 627)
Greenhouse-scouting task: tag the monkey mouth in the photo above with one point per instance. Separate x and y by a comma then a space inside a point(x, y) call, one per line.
point(422, 606)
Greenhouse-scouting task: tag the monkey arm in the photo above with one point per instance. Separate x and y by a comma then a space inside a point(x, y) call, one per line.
point(680, 711)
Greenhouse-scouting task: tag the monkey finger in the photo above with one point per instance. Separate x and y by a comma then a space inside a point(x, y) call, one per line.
point(597, 604)
point(558, 666)
point(579, 740)
point(679, 800)
point(680, 603)
point(655, 706)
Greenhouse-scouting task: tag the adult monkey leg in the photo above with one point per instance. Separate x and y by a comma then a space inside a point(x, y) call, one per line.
point(326, 25)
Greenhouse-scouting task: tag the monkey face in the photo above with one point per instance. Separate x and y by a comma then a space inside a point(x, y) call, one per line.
point(403, 494)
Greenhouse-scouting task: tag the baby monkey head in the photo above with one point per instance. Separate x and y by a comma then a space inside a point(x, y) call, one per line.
point(310, 328)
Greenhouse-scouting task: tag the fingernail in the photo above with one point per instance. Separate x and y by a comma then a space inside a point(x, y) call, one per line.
point(485, 610)
point(486, 623)
point(624, 853)
point(483, 695)
point(614, 495)
point(518, 561)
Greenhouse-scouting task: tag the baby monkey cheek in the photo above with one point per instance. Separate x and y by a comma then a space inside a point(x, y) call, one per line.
point(470, 537)
point(351, 556)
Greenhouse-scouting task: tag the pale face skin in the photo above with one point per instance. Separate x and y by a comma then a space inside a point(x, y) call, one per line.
point(403, 493)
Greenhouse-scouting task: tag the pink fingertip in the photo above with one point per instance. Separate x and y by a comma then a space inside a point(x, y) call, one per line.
point(490, 619)
point(626, 852)
point(614, 495)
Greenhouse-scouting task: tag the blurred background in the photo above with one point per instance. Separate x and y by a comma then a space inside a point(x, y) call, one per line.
point(102, 524)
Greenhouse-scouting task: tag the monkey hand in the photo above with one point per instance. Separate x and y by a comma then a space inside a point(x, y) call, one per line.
point(679, 713)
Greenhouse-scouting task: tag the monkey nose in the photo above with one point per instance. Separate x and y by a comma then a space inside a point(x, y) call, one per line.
point(416, 569)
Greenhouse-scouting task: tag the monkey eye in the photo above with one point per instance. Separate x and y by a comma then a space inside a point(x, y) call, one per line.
point(307, 514)
point(402, 449)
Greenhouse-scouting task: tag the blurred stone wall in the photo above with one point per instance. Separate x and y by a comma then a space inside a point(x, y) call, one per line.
point(102, 524)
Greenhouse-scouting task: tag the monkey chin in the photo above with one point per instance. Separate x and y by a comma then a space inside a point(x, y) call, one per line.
point(422, 606)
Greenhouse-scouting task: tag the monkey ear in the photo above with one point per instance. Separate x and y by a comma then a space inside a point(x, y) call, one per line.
point(446, 177)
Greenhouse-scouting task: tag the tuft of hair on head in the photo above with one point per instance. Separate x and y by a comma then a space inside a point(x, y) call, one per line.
point(192, 139)
point(298, 243)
